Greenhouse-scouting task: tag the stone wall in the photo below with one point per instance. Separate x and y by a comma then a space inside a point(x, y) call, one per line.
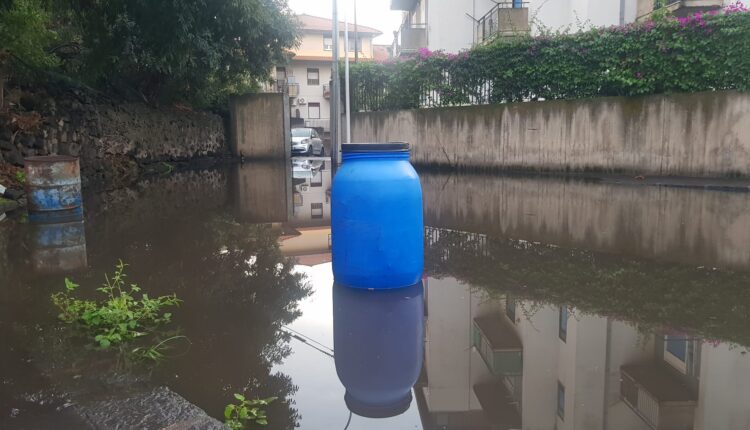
point(700, 134)
point(112, 138)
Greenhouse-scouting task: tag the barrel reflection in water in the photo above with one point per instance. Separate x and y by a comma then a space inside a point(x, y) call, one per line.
point(378, 337)
point(58, 248)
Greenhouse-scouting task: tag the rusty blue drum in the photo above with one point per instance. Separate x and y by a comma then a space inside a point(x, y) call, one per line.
point(53, 188)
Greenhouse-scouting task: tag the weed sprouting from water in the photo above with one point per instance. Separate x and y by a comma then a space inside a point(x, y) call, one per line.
point(120, 317)
point(237, 415)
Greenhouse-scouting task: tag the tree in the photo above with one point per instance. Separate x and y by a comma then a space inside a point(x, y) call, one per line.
point(182, 50)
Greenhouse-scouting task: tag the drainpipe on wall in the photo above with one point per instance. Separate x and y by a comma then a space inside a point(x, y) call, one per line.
point(622, 12)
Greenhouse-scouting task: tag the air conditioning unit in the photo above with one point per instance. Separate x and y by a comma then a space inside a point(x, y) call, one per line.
point(301, 101)
point(304, 188)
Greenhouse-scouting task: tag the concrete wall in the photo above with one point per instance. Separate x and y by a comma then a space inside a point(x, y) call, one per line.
point(259, 126)
point(672, 224)
point(701, 134)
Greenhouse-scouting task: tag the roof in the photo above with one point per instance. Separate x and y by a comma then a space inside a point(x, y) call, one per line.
point(381, 52)
point(316, 23)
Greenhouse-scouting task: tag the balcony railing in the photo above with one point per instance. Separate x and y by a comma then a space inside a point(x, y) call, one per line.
point(282, 85)
point(679, 8)
point(411, 37)
point(504, 19)
point(657, 396)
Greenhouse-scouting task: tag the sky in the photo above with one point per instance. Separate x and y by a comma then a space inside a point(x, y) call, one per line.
point(372, 13)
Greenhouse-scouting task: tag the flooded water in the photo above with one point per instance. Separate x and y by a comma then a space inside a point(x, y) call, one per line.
point(546, 304)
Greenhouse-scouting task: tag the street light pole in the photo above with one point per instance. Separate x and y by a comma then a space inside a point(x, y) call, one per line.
point(335, 88)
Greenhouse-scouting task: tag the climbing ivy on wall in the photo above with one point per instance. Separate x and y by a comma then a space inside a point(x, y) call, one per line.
point(702, 52)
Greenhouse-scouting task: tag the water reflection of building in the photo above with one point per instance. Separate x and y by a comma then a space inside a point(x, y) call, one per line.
point(511, 364)
point(308, 232)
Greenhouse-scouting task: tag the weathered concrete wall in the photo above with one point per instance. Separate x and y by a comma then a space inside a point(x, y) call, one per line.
point(670, 224)
point(259, 126)
point(107, 136)
point(702, 134)
point(262, 191)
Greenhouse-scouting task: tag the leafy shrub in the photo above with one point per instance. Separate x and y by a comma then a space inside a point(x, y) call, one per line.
point(121, 317)
point(246, 411)
point(703, 52)
point(25, 35)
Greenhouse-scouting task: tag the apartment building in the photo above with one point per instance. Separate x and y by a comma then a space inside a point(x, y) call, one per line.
point(455, 25)
point(307, 76)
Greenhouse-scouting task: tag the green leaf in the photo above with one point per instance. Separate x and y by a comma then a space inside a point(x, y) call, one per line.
point(70, 285)
point(239, 397)
point(228, 411)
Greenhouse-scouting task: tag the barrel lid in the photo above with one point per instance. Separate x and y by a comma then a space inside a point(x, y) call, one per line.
point(375, 147)
point(378, 411)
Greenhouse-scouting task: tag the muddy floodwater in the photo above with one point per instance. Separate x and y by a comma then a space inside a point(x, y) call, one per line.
point(546, 304)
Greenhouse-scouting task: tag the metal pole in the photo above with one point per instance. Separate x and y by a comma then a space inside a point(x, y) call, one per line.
point(335, 89)
point(356, 34)
point(346, 76)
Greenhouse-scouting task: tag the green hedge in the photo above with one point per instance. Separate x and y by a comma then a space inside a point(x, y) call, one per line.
point(701, 53)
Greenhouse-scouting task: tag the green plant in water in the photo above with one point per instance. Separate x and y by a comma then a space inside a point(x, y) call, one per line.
point(237, 415)
point(119, 318)
point(155, 352)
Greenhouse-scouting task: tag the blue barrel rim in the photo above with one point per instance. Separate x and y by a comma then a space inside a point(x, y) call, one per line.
point(375, 147)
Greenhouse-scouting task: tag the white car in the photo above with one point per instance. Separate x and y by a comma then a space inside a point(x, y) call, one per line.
point(306, 141)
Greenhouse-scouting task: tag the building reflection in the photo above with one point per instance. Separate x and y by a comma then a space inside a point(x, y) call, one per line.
point(307, 233)
point(506, 363)
point(496, 360)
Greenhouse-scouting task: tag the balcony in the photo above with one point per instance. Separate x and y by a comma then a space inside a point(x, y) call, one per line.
point(678, 8)
point(412, 37)
point(406, 5)
point(498, 345)
point(503, 20)
point(326, 91)
point(499, 406)
point(657, 396)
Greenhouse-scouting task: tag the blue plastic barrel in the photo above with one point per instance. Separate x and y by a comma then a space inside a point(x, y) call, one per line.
point(378, 339)
point(53, 188)
point(376, 218)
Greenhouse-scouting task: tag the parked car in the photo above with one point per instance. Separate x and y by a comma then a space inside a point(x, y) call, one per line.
point(306, 141)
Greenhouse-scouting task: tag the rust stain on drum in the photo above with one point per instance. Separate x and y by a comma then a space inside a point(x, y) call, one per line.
point(53, 183)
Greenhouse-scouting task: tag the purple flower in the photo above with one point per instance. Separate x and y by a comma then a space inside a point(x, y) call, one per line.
point(639, 75)
point(424, 53)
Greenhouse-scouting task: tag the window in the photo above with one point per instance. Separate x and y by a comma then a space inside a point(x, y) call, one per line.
point(560, 400)
point(676, 352)
point(510, 308)
point(351, 44)
point(563, 332)
point(327, 43)
point(313, 77)
point(316, 210)
point(313, 110)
